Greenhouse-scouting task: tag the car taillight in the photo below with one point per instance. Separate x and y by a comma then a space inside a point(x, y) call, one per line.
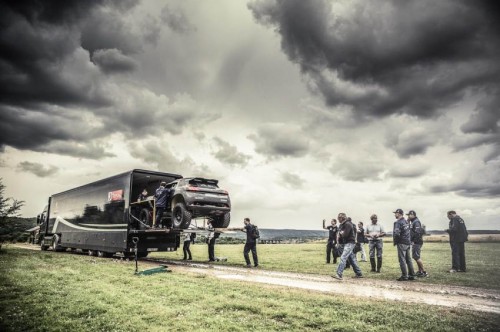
point(192, 188)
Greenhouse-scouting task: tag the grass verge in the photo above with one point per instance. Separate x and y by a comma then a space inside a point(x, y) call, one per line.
point(47, 291)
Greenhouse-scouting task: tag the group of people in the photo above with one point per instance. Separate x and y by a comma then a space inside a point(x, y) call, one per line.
point(250, 244)
point(345, 240)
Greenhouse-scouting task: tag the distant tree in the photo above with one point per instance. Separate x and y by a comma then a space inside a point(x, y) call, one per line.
point(9, 207)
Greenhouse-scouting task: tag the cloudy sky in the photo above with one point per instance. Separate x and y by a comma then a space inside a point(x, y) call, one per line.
point(302, 109)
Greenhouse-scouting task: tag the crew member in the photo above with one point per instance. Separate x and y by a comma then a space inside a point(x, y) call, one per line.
point(360, 240)
point(375, 232)
point(401, 238)
point(211, 241)
point(347, 241)
point(162, 194)
point(332, 241)
point(416, 232)
point(186, 245)
point(458, 237)
point(250, 244)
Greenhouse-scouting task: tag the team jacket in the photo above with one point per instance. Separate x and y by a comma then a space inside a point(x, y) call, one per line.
point(401, 232)
point(161, 196)
point(416, 232)
point(458, 231)
point(332, 234)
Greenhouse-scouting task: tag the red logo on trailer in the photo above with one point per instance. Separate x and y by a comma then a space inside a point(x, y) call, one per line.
point(116, 195)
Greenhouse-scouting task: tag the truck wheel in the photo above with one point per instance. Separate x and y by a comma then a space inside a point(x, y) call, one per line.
point(145, 218)
point(92, 253)
point(103, 254)
point(181, 217)
point(222, 221)
point(55, 243)
point(142, 254)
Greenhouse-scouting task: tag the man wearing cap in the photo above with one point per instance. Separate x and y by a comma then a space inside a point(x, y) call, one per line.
point(374, 233)
point(332, 241)
point(416, 232)
point(401, 238)
point(347, 240)
point(458, 237)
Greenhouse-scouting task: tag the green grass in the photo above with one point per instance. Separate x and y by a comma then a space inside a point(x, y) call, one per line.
point(47, 291)
point(483, 261)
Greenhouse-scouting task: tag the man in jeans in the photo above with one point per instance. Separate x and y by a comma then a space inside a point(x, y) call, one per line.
point(401, 238)
point(346, 242)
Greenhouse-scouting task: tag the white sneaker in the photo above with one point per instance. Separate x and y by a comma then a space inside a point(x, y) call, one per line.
point(453, 271)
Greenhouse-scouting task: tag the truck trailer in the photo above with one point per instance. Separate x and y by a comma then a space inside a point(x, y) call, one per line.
point(103, 218)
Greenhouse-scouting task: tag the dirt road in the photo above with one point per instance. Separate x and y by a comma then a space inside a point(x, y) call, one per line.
point(475, 299)
point(410, 292)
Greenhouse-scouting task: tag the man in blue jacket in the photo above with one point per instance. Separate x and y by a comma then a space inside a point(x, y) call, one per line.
point(458, 237)
point(401, 238)
point(162, 194)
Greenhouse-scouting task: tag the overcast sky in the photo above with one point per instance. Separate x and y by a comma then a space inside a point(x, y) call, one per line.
point(302, 109)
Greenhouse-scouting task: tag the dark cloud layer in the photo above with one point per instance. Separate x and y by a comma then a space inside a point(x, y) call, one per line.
point(37, 169)
point(276, 140)
point(391, 57)
point(228, 154)
point(56, 64)
point(380, 58)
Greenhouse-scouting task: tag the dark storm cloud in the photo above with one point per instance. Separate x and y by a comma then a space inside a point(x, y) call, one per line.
point(381, 58)
point(482, 181)
point(48, 82)
point(229, 155)
point(37, 169)
point(113, 61)
point(280, 140)
point(410, 142)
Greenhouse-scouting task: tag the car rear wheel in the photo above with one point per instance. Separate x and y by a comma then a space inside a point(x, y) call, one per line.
point(222, 221)
point(181, 217)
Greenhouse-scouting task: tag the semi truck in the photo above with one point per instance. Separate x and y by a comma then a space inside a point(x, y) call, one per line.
point(104, 218)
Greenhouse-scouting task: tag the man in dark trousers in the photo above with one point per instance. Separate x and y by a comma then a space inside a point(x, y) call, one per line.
point(401, 237)
point(250, 244)
point(161, 195)
point(211, 241)
point(332, 241)
point(375, 232)
point(416, 232)
point(346, 242)
point(458, 237)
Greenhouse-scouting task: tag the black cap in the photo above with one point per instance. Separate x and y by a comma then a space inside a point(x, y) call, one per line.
point(413, 213)
point(399, 211)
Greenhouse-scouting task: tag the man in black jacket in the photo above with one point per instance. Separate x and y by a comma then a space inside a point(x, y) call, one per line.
point(346, 242)
point(250, 244)
point(332, 241)
point(458, 237)
point(416, 232)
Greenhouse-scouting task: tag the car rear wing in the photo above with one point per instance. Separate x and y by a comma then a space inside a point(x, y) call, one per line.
point(205, 181)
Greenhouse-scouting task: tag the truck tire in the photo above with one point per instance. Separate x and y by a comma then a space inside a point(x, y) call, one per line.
point(104, 254)
point(142, 254)
point(222, 221)
point(181, 217)
point(55, 243)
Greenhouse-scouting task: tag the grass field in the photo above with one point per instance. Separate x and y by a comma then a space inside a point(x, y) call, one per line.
point(47, 291)
point(483, 261)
